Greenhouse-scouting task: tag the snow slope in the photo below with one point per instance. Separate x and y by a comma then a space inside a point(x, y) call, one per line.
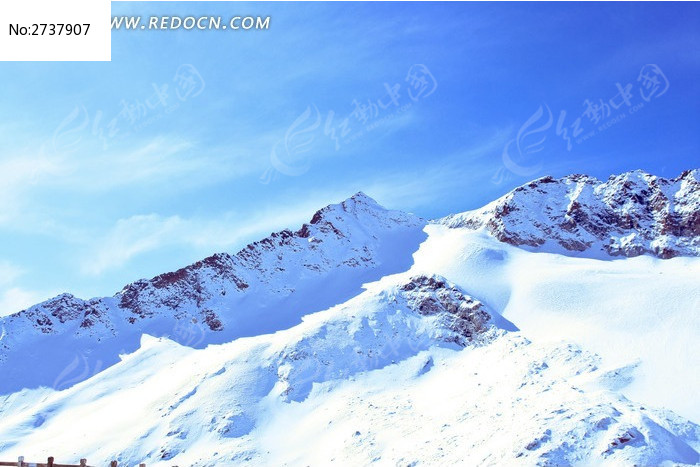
point(640, 313)
point(370, 335)
point(383, 378)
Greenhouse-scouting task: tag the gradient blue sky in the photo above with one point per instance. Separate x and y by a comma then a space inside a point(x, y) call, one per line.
point(94, 197)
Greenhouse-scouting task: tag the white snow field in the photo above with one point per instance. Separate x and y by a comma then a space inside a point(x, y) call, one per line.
point(641, 315)
point(399, 342)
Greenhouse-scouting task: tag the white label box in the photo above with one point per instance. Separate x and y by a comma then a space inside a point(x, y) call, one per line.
point(55, 30)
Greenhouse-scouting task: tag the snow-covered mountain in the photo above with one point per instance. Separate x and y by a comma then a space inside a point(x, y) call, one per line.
point(267, 286)
point(556, 325)
point(628, 215)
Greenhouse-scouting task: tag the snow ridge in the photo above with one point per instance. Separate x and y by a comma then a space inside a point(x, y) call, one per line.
point(629, 215)
point(259, 289)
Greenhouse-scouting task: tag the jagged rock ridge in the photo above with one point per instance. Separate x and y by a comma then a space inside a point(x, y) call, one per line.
point(265, 287)
point(629, 215)
point(344, 236)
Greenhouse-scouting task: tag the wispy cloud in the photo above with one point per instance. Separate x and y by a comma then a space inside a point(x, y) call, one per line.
point(9, 272)
point(19, 176)
point(167, 164)
point(165, 161)
point(129, 238)
point(160, 160)
point(13, 297)
point(472, 164)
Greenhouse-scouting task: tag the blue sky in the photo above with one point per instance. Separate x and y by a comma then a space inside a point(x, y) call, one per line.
point(194, 142)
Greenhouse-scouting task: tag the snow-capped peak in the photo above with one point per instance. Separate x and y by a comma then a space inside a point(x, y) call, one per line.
point(266, 286)
point(630, 214)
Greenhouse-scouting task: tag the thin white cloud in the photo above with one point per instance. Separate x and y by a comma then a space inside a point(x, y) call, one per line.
point(405, 190)
point(15, 299)
point(9, 273)
point(19, 176)
point(167, 163)
point(128, 238)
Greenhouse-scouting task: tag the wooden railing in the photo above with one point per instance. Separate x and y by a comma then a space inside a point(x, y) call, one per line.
point(50, 463)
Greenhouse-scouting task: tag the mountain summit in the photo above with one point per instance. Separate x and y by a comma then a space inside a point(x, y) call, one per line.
point(267, 286)
point(629, 215)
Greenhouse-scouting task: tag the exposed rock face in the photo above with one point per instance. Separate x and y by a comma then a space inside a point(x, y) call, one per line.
point(628, 215)
point(460, 313)
point(48, 316)
point(378, 328)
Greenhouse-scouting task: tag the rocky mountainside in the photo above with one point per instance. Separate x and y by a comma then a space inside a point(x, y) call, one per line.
point(381, 337)
point(629, 215)
point(260, 289)
point(270, 284)
point(411, 371)
point(345, 236)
